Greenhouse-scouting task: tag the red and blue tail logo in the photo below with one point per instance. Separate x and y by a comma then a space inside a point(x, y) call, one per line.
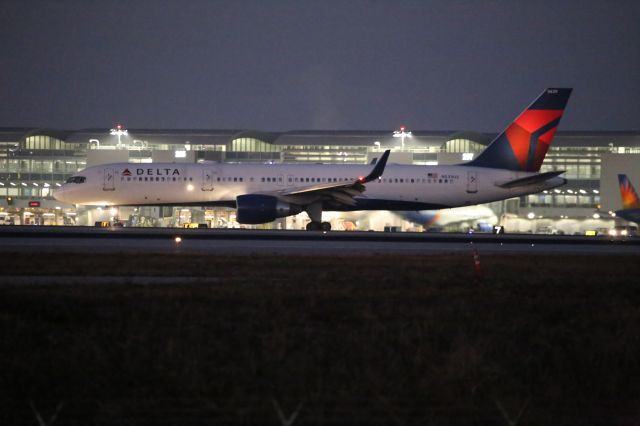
point(523, 145)
point(629, 196)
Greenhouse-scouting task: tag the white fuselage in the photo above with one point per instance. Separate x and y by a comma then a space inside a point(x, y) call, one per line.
point(402, 187)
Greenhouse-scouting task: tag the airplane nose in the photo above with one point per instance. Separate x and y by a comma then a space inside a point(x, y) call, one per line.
point(58, 194)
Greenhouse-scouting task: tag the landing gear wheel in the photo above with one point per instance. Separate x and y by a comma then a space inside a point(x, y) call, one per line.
point(325, 226)
point(314, 226)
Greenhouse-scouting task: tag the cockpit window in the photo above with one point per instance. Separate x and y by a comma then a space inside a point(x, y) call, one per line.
point(76, 179)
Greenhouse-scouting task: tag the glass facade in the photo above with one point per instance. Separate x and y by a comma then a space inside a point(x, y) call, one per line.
point(462, 145)
point(246, 149)
point(329, 154)
point(31, 167)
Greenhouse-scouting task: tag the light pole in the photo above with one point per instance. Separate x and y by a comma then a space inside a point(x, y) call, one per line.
point(402, 134)
point(119, 131)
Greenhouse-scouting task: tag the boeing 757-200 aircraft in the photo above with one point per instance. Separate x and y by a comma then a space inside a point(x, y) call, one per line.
point(508, 167)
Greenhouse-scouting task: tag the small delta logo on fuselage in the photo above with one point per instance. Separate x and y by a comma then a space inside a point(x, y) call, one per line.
point(152, 172)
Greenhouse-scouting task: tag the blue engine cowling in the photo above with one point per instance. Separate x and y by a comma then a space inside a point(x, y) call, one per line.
point(256, 208)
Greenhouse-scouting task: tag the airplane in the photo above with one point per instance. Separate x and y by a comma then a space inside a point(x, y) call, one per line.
point(508, 167)
point(630, 201)
point(478, 216)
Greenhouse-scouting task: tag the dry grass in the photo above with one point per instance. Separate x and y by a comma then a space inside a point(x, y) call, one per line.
point(384, 339)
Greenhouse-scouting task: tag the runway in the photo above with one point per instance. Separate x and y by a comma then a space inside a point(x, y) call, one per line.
point(247, 242)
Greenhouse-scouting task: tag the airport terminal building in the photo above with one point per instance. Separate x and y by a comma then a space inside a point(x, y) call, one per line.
point(33, 162)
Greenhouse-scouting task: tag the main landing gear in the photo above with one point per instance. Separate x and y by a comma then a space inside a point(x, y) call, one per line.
point(319, 226)
point(315, 214)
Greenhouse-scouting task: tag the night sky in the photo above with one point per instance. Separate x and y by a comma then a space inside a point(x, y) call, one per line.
point(334, 65)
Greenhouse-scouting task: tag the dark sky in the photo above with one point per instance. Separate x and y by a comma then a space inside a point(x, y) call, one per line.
point(296, 64)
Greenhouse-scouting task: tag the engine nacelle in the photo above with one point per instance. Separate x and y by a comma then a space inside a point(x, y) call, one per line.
point(256, 208)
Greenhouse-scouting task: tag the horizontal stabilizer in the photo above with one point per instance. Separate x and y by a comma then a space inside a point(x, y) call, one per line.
point(529, 180)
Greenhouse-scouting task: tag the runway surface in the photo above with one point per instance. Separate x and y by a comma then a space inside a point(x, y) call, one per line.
point(163, 240)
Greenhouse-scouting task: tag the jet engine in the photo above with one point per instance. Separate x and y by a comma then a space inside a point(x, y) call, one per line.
point(258, 208)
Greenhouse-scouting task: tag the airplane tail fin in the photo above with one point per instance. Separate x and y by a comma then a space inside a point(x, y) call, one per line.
point(628, 193)
point(523, 145)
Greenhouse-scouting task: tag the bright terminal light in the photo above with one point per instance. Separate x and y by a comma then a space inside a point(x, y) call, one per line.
point(595, 191)
point(582, 191)
point(189, 187)
point(119, 131)
point(531, 215)
point(467, 156)
point(596, 216)
point(113, 211)
point(181, 154)
point(402, 134)
point(57, 184)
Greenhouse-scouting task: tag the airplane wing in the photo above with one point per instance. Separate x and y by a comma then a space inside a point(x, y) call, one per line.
point(340, 192)
point(528, 180)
